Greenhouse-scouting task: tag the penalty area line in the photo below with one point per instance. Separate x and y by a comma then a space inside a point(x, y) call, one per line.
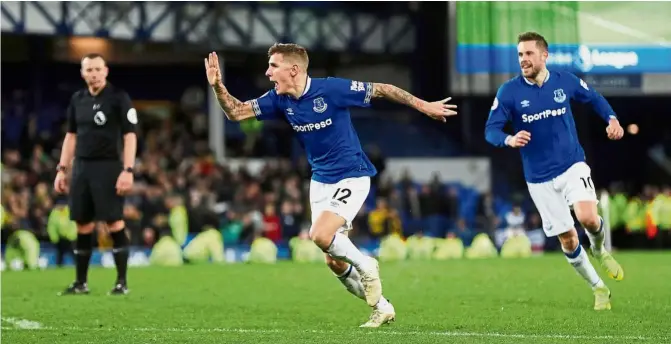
point(369, 332)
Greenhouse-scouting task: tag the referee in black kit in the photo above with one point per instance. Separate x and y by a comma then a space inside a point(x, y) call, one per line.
point(99, 118)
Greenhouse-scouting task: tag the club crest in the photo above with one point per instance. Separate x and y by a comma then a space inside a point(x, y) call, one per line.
point(319, 106)
point(560, 97)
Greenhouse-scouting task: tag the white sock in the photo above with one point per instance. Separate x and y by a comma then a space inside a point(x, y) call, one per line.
point(596, 239)
point(382, 303)
point(352, 282)
point(343, 249)
point(579, 260)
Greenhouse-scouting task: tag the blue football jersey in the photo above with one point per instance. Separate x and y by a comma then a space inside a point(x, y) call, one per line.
point(545, 112)
point(321, 119)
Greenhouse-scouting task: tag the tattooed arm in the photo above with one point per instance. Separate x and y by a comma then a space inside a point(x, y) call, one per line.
point(398, 95)
point(264, 107)
point(438, 110)
point(234, 109)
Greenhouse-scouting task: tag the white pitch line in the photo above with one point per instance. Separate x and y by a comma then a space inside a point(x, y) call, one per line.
point(614, 26)
point(380, 332)
point(23, 324)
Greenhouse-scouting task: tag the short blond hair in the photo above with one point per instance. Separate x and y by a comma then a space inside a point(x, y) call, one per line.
point(292, 51)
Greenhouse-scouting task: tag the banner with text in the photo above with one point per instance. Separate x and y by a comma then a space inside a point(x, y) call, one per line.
point(625, 41)
point(594, 37)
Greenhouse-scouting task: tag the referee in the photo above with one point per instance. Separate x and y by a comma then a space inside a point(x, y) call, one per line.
point(99, 117)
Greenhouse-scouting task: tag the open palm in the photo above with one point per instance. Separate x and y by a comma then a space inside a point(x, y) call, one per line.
point(438, 110)
point(212, 69)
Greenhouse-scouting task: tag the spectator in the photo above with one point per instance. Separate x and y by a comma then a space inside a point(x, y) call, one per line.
point(515, 218)
point(462, 232)
point(486, 217)
point(383, 221)
point(378, 160)
point(271, 223)
point(289, 220)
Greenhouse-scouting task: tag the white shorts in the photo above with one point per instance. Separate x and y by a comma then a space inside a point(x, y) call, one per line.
point(343, 198)
point(554, 198)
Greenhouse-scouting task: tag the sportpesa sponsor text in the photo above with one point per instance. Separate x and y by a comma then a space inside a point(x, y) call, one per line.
point(543, 114)
point(312, 126)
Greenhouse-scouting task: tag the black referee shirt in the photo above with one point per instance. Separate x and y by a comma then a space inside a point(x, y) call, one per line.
point(100, 122)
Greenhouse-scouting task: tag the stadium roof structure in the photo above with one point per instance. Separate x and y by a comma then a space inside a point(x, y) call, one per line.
point(240, 26)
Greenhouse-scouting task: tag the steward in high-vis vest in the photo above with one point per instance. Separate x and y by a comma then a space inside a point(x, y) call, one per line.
point(634, 219)
point(61, 230)
point(660, 211)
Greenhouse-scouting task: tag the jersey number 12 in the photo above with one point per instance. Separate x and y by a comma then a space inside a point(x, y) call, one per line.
point(342, 195)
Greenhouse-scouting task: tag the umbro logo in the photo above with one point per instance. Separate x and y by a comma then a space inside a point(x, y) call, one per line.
point(96, 106)
point(290, 111)
point(524, 103)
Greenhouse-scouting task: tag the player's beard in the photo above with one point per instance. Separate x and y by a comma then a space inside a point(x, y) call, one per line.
point(534, 71)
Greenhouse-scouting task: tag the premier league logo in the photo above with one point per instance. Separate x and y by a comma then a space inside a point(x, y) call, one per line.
point(319, 105)
point(583, 59)
point(100, 118)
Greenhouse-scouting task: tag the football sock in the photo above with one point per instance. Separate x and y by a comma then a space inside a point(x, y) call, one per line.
point(120, 252)
point(343, 249)
point(82, 252)
point(580, 262)
point(596, 239)
point(352, 281)
point(382, 303)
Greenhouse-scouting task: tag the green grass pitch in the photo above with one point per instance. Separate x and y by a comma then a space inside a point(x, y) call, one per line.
point(535, 300)
point(565, 22)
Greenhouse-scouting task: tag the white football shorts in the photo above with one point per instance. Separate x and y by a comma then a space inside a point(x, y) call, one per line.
point(344, 198)
point(554, 198)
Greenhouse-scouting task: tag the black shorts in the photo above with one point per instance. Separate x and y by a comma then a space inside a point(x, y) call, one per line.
point(93, 195)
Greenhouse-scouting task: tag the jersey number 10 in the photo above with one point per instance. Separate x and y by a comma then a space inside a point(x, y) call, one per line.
point(587, 182)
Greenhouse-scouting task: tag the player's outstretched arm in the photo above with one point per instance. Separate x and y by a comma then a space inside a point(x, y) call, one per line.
point(436, 110)
point(234, 109)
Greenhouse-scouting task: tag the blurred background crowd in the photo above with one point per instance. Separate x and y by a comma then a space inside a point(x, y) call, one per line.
point(252, 179)
point(176, 168)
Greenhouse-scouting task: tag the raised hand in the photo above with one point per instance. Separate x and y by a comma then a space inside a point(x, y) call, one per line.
point(212, 69)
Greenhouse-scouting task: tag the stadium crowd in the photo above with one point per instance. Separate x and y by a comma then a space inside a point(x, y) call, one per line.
point(177, 173)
